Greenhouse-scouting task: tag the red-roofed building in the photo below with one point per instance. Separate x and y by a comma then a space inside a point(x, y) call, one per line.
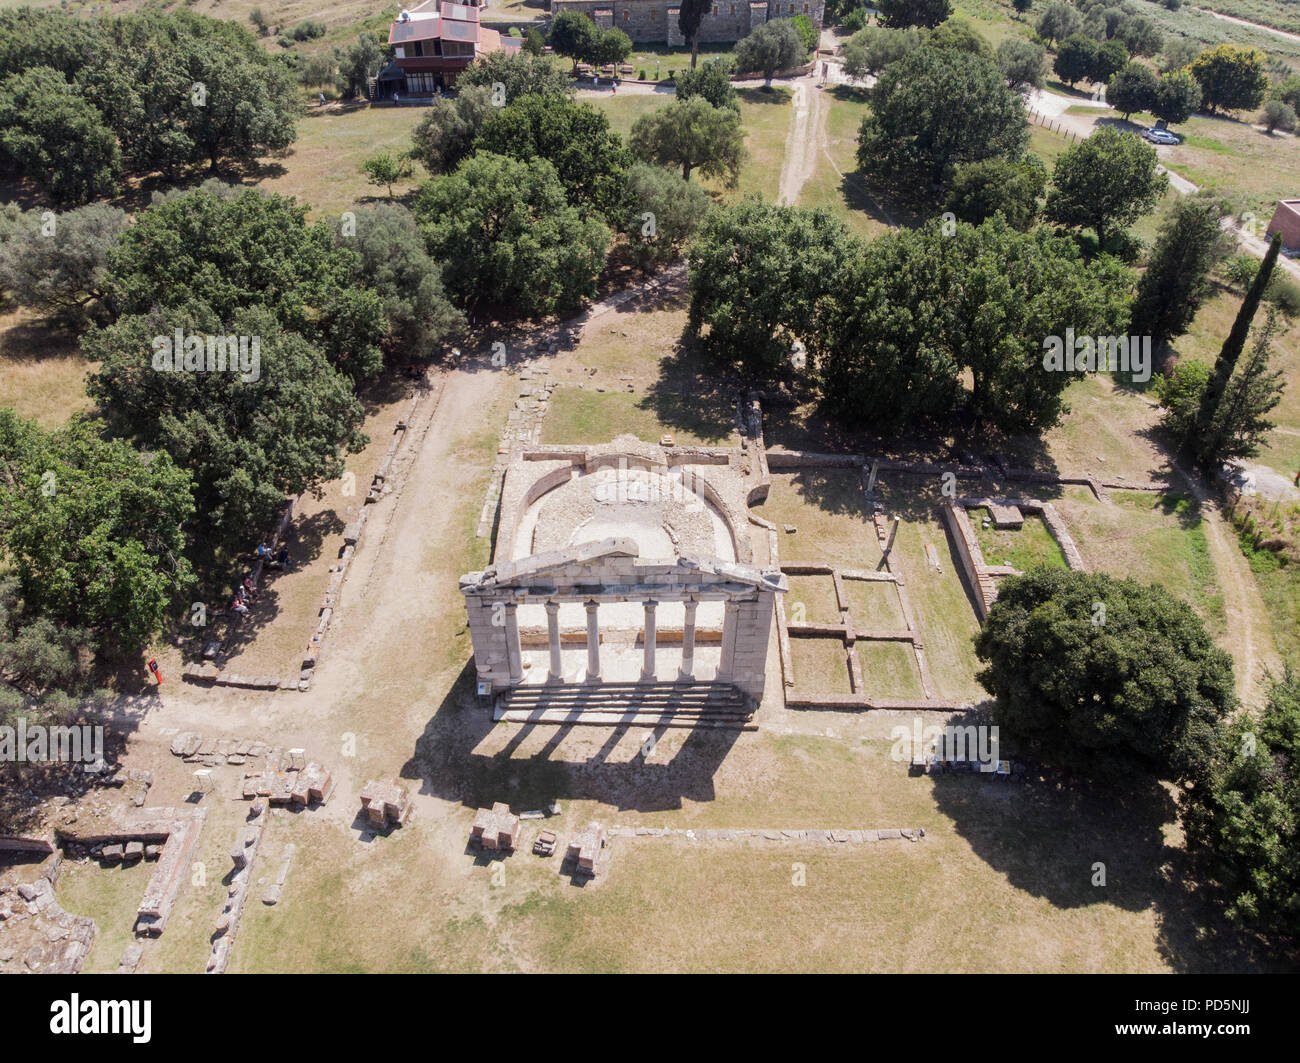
point(1286, 220)
point(435, 42)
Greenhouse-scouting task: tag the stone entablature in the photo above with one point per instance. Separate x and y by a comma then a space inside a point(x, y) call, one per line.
point(655, 21)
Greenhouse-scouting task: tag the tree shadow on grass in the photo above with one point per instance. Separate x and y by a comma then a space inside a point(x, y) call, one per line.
point(692, 396)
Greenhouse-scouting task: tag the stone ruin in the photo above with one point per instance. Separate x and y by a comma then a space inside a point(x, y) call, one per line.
point(385, 803)
point(495, 828)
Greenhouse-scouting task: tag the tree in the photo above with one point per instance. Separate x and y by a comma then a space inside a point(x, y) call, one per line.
point(392, 261)
point(1288, 91)
point(1202, 442)
point(773, 46)
point(873, 48)
point(513, 237)
point(666, 211)
point(590, 160)
point(50, 132)
point(692, 134)
point(385, 168)
point(1191, 242)
point(1023, 63)
point(920, 311)
point(1232, 79)
point(1178, 96)
point(449, 128)
point(807, 33)
point(1058, 21)
point(359, 64)
point(690, 13)
point(534, 42)
point(1240, 423)
point(1241, 819)
point(520, 74)
point(1023, 6)
point(1140, 35)
point(981, 189)
point(711, 81)
point(899, 14)
point(1132, 89)
point(959, 35)
point(1278, 115)
point(1106, 182)
point(247, 438)
point(1111, 57)
point(93, 528)
point(1076, 58)
point(612, 47)
point(1179, 392)
point(56, 264)
point(200, 250)
point(1103, 676)
point(933, 110)
point(574, 36)
point(1177, 53)
point(761, 277)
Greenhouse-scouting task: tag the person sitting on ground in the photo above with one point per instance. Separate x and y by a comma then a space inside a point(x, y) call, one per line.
point(263, 551)
point(249, 588)
point(238, 606)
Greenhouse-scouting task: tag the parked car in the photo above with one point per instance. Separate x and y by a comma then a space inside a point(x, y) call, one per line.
point(1162, 136)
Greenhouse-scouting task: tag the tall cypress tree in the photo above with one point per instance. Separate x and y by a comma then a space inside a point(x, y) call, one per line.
point(690, 14)
point(1201, 439)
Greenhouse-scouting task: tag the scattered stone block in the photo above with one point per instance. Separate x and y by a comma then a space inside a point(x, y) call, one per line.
point(385, 803)
point(134, 851)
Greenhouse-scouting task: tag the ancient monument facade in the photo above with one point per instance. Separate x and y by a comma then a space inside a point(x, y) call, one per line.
point(619, 564)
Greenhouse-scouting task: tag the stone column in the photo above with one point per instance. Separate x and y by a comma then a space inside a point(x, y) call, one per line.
point(687, 670)
point(729, 626)
point(553, 631)
point(648, 663)
point(514, 652)
point(593, 642)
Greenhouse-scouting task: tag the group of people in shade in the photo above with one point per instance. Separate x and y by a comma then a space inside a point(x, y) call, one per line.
point(246, 592)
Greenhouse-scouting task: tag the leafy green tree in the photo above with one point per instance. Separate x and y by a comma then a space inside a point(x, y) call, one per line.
point(612, 47)
point(1076, 58)
point(1140, 35)
point(1132, 89)
point(1105, 182)
point(957, 34)
point(574, 36)
point(933, 110)
point(359, 64)
point(386, 168)
point(446, 133)
point(1242, 819)
point(1023, 63)
point(514, 239)
point(93, 529)
point(873, 48)
point(1180, 393)
point(992, 186)
point(519, 73)
point(899, 14)
point(1288, 91)
point(51, 133)
point(919, 310)
point(1178, 96)
point(712, 81)
point(1111, 57)
point(590, 159)
point(761, 277)
point(1202, 442)
point(534, 42)
point(1231, 78)
point(392, 261)
point(1103, 676)
point(1023, 6)
point(694, 135)
point(807, 32)
point(1177, 53)
point(666, 211)
point(772, 47)
point(55, 264)
point(32, 37)
point(1278, 115)
point(202, 250)
point(1058, 22)
point(246, 442)
point(1190, 244)
point(690, 14)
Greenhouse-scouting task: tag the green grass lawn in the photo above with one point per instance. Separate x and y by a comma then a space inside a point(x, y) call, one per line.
point(1022, 548)
point(835, 184)
point(765, 117)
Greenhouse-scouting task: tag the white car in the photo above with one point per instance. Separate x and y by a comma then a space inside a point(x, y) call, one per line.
point(1162, 136)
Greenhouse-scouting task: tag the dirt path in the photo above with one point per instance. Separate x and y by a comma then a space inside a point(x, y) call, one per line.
point(807, 130)
point(1253, 25)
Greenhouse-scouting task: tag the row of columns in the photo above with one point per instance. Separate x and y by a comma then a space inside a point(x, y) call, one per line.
point(514, 650)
